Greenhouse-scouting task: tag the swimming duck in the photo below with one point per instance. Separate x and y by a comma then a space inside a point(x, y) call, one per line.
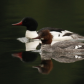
point(58, 34)
point(69, 46)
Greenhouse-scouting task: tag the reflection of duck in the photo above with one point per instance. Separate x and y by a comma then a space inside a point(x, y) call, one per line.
point(69, 46)
point(32, 45)
point(45, 66)
point(62, 57)
point(66, 57)
point(58, 34)
point(26, 56)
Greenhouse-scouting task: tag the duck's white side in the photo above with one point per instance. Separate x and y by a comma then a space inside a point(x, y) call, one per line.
point(57, 36)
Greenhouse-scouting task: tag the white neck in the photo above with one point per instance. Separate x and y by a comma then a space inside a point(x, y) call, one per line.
point(31, 34)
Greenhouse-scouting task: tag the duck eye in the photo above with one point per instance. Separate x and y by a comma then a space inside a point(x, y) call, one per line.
point(41, 65)
point(42, 38)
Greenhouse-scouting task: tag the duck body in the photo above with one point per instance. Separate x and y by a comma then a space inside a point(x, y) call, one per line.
point(58, 34)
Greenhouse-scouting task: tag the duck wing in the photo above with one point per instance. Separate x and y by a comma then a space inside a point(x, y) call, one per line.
point(51, 29)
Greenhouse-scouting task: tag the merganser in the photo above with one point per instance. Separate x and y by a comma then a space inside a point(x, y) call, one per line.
point(58, 34)
point(69, 46)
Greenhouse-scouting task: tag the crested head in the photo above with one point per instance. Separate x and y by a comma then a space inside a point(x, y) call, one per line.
point(29, 22)
point(45, 37)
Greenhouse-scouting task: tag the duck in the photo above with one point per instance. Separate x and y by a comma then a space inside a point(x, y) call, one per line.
point(58, 34)
point(63, 47)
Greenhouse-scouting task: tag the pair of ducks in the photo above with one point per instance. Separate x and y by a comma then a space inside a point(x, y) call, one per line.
point(68, 41)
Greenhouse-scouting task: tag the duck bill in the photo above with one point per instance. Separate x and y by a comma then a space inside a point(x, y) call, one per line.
point(35, 67)
point(20, 23)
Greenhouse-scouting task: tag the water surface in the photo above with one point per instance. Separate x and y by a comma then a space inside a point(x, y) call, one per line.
point(56, 13)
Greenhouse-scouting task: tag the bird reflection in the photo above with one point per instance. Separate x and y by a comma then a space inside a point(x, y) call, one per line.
point(67, 58)
point(30, 44)
point(44, 67)
point(26, 56)
point(46, 64)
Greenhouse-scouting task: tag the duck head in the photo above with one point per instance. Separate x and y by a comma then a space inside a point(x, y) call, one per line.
point(30, 23)
point(45, 36)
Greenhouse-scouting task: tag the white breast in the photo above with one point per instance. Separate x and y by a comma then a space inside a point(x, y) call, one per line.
point(31, 34)
point(57, 36)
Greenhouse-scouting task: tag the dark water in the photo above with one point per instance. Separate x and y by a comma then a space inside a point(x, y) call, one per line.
point(66, 14)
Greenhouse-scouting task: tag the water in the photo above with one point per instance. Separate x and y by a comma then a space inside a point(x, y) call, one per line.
point(66, 14)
